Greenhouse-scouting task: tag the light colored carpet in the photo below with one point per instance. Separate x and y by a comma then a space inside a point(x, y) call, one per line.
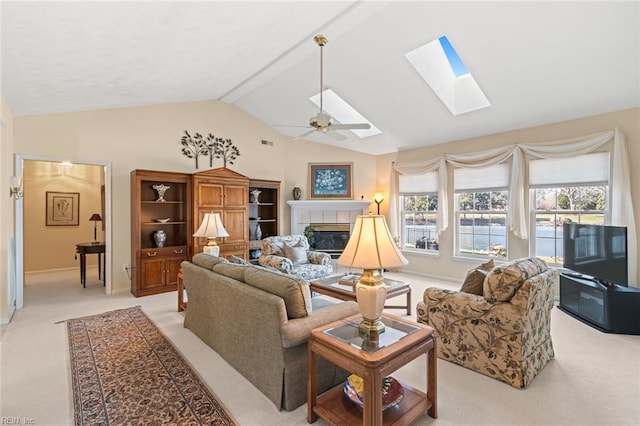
point(594, 379)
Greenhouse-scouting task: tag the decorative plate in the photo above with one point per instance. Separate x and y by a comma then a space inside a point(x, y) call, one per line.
point(392, 391)
point(163, 220)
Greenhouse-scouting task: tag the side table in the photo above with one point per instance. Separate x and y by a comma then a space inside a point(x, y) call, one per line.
point(182, 305)
point(341, 344)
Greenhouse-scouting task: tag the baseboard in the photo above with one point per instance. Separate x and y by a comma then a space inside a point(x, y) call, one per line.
point(9, 317)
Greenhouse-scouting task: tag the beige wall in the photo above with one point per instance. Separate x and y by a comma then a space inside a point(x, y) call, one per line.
point(445, 264)
point(6, 205)
point(53, 247)
point(149, 138)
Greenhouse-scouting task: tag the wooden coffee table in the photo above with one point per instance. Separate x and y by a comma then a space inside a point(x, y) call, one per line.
point(330, 286)
point(341, 344)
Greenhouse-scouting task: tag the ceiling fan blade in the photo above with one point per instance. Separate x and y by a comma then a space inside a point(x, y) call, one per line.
point(336, 136)
point(304, 134)
point(289, 125)
point(350, 126)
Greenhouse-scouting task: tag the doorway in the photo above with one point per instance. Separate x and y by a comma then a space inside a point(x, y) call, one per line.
point(73, 184)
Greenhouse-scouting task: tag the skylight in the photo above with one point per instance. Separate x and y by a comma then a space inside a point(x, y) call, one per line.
point(343, 113)
point(441, 67)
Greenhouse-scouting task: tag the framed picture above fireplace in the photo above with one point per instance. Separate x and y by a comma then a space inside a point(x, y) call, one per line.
point(330, 180)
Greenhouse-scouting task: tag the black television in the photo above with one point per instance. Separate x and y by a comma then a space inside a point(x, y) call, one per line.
point(597, 251)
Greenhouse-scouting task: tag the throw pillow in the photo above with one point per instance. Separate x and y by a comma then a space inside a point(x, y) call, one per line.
point(487, 266)
point(297, 254)
point(473, 282)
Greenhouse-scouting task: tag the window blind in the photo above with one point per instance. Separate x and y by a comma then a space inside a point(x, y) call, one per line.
point(583, 169)
point(484, 178)
point(418, 184)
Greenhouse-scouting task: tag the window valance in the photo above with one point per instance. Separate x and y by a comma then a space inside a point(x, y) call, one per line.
point(621, 205)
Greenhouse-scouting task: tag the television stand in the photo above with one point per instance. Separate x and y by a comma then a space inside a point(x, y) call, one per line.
point(611, 309)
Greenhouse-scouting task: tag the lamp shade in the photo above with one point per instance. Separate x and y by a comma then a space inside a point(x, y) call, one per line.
point(211, 227)
point(95, 216)
point(371, 245)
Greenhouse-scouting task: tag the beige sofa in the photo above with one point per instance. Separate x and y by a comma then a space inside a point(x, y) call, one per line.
point(259, 321)
point(503, 333)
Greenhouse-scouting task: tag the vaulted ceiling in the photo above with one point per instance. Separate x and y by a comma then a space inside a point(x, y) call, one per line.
point(537, 62)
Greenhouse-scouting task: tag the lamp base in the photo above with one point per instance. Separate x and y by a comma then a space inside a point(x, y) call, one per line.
point(371, 295)
point(211, 250)
point(371, 327)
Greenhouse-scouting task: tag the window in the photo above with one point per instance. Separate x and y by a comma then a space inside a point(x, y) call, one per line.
point(566, 190)
point(481, 210)
point(419, 207)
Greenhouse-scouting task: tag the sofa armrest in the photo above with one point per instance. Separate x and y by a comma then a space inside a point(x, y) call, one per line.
point(297, 331)
point(318, 257)
point(278, 262)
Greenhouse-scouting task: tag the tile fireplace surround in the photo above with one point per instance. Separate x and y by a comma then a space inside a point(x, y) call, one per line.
point(305, 212)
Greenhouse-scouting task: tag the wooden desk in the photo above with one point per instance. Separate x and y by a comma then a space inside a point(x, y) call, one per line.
point(90, 248)
point(372, 365)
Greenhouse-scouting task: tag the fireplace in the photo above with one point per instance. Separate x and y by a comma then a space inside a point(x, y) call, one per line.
point(330, 237)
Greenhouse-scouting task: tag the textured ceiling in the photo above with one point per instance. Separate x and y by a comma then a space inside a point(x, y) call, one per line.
point(537, 62)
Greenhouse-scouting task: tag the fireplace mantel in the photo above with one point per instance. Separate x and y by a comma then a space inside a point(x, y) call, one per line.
point(329, 204)
point(305, 212)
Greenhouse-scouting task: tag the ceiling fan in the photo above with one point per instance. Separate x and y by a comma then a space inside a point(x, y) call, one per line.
point(322, 122)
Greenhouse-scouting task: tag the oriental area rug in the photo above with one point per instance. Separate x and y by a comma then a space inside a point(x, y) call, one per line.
point(126, 372)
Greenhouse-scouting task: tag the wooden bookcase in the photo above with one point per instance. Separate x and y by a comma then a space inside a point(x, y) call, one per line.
point(226, 192)
point(264, 213)
point(155, 269)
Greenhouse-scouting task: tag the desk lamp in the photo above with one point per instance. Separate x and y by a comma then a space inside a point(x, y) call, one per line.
point(95, 218)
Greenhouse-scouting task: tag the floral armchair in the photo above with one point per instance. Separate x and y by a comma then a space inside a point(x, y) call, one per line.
point(291, 254)
point(504, 333)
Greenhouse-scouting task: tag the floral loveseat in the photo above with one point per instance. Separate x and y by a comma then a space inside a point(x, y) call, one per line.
point(503, 333)
point(290, 254)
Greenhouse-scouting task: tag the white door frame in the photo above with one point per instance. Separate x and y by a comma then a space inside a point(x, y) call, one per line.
point(19, 223)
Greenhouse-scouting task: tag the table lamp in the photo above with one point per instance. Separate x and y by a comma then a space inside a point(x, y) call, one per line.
point(378, 198)
point(211, 227)
point(95, 218)
point(371, 248)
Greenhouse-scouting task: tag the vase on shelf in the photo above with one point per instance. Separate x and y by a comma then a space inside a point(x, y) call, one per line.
point(160, 237)
point(258, 232)
point(162, 188)
point(297, 193)
point(255, 194)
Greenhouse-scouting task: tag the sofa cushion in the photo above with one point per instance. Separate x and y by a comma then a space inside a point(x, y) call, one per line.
point(294, 291)
point(231, 270)
point(239, 260)
point(503, 281)
point(473, 282)
point(207, 261)
point(297, 254)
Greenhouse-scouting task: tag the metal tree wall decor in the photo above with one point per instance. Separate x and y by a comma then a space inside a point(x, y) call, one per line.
point(226, 150)
point(197, 145)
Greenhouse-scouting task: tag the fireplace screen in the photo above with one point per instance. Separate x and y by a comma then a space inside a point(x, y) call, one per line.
point(330, 237)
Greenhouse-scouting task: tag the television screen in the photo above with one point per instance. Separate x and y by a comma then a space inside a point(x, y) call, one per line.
point(599, 251)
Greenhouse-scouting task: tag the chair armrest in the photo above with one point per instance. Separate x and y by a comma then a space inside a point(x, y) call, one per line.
point(318, 257)
point(503, 315)
point(297, 331)
point(278, 262)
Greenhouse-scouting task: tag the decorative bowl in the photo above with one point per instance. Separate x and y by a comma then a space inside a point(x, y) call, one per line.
point(392, 391)
point(163, 220)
